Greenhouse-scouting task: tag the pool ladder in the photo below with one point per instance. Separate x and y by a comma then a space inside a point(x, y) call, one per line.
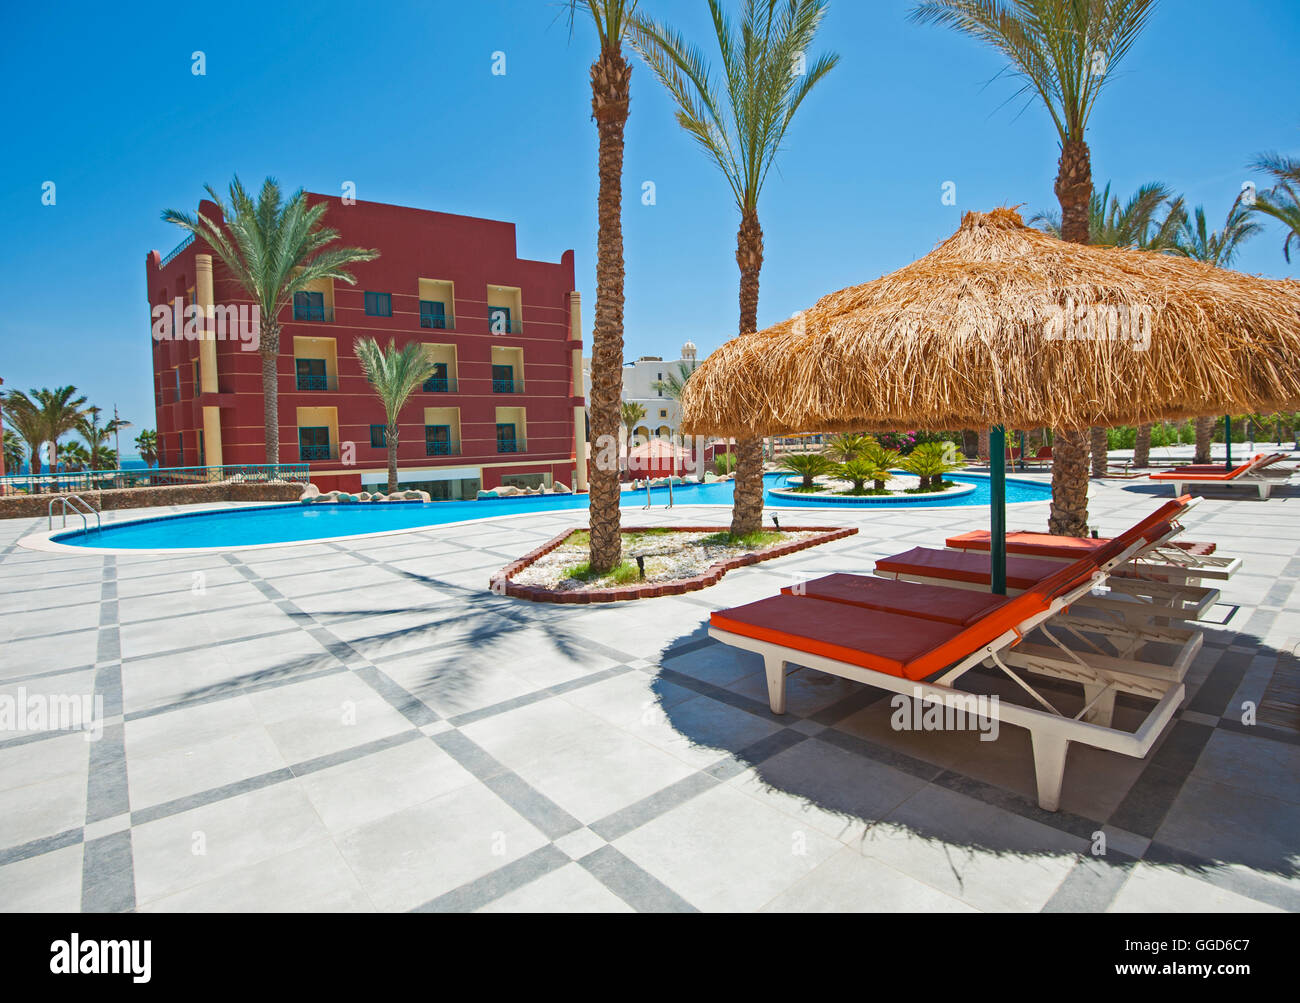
point(78, 506)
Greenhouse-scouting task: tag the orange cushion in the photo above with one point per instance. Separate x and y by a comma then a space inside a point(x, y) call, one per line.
point(897, 645)
point(940, 603)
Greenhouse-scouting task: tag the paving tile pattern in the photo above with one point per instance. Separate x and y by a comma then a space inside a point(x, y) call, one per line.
point(366, 726)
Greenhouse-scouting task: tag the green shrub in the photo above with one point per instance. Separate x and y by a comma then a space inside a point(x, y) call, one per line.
point(724, 464)
point(931, 460)
point(808, 466)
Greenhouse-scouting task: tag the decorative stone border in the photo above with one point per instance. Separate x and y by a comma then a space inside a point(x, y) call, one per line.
point(900, 499)
point(502, 585)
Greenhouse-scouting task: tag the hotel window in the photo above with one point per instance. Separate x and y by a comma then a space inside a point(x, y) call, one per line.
point(314, 443)
point(311, 374)
point(177, 371)
point(308, 306)
point(198, 381)
point(433, 314)
point(437, 440)
point(202, 454)
point(503, 379)
point(499, 319)
point(438, 383)
point(379, 304)
point(663, 413)
point(506, 441)
point(379, 436)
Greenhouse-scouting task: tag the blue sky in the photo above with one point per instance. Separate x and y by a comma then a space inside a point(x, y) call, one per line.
point(400, 98)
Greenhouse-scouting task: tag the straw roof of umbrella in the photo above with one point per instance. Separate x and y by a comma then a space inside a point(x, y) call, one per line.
point(1005, 324)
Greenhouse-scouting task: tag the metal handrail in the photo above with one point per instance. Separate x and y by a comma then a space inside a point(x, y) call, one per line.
point(175, 251)
point(72, 502)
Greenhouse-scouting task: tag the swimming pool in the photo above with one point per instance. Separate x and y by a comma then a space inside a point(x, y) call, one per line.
point(230, 529)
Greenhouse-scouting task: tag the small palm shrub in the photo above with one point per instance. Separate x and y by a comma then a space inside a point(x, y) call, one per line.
point(845, 446)
point(884, 459)
point(724, 464)
point(808, 466)
point(931, 460)
point(858, 472)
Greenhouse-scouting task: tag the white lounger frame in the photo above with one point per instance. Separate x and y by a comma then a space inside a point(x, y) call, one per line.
point(1261, 474)
point(1102, 677)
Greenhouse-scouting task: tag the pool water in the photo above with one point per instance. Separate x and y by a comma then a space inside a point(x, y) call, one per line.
point(251, 527)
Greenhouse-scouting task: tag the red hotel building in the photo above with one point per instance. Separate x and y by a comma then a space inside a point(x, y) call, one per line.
point(502, 407)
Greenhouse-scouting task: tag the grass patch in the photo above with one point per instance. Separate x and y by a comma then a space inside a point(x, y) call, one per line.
point(933, 489)
point(624, 574)
point(755, 540)
point(582, 537)
point(866, 491)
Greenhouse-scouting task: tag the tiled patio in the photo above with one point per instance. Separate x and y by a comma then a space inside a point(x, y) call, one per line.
point(363, 726)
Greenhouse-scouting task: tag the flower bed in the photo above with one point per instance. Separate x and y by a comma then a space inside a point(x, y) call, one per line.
point(678, 559)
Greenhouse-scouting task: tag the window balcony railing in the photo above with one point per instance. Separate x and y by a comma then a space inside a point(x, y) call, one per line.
point(310, 453)
point(322, 314)
point(512, 446)
point(507, 386)
point(441, 448)
point(447, 323)
point(313, 382)
point(440, 385)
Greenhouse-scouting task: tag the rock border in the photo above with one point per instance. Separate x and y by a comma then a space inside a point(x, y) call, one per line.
point(501, 584)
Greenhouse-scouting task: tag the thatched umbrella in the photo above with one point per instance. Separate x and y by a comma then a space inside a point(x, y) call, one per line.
point(1003, 325)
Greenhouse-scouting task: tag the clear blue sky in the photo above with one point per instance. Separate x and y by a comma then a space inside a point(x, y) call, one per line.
point(399, 97)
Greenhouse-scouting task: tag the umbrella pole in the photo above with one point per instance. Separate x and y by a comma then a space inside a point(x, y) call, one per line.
point(998, 508)
point(1227, 440)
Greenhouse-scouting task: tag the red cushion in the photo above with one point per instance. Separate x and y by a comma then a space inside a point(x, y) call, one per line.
point(1022, 572)
point(959, 607)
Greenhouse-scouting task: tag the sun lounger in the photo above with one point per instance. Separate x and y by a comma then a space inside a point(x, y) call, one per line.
point(1252, 474)
point(918, 640)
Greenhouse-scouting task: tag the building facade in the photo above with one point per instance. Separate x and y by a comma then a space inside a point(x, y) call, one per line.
point(505, 335)
point(641, 385)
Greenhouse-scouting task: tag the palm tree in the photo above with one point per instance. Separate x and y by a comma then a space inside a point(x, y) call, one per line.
point(611, 91)
point(1283, 201)
point(274, 249)
point(931, 460)
point(43, 416)
point(1064, 51)
point(883, 459)
point(97, 437)
point(73, 456)
point(673, 385)
point(809, 465)
point(13, 447)
point(147, 443)
point(1217, 248)
point(394, 375)
point(845, 447)
point(740, 127)
point(1131, 224)
point(631, 414)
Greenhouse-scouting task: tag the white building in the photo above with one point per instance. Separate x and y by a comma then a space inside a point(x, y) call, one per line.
point(640, 386)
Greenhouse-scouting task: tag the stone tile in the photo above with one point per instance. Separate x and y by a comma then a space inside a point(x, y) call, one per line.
point(50, 882)
point(410, 857)
point(382, 783)
point(571, 889)
point(41, 809)
point(1159, 889)
point(852, 882)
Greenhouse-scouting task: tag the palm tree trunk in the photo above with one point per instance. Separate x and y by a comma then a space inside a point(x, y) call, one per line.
point(747, 509)
point(1069, 515)
point(1142, 447)
point(1204, 439)
point(611, 78)
point(269, 349)
point(392, 457)
point(1070, 453)
point(1100, 447)
point(984, 450)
